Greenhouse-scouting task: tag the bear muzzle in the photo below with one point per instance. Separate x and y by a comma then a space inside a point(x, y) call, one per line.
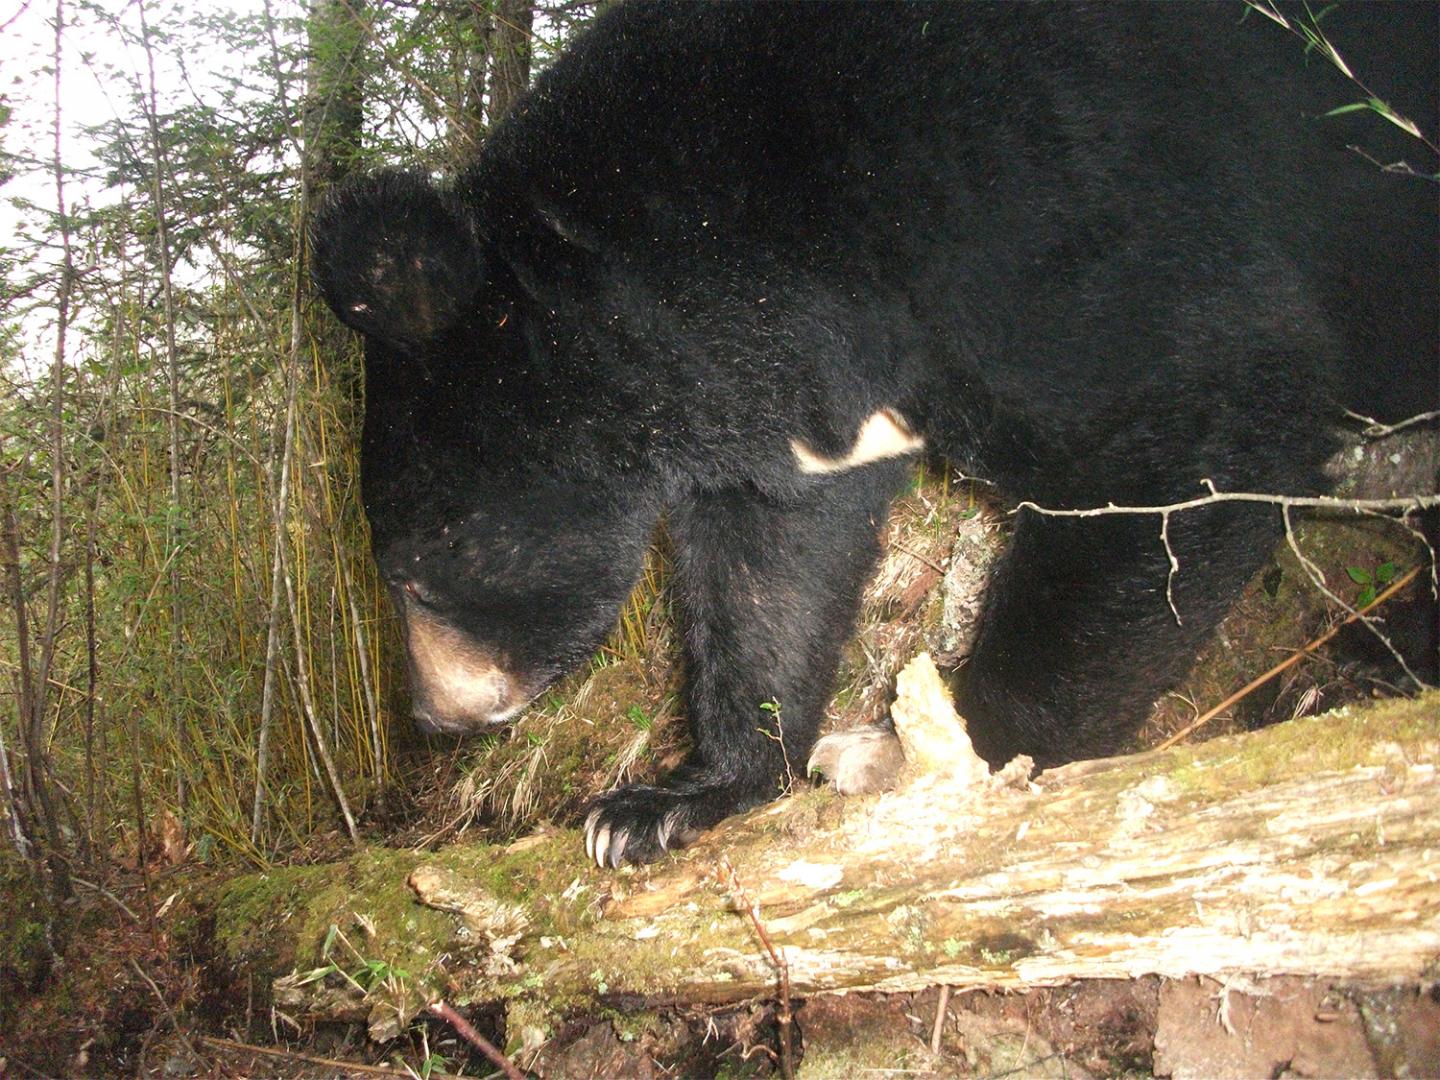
point(456, 686)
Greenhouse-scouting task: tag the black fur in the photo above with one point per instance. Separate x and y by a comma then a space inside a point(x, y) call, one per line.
point(1092, 254)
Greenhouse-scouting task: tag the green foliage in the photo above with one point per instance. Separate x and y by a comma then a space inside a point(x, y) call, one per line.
point(432, 1062)
point(1305, 25)
point(1371, 581)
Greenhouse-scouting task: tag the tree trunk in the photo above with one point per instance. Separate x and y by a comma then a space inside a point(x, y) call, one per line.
point(473, 30)
point(1307, 848)
point(510, 55)
point(332, 115)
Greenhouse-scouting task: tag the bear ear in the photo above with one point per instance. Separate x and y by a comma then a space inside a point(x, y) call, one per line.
point(396, 257)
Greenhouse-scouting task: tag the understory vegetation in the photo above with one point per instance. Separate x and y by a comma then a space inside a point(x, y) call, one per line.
point(197, 656)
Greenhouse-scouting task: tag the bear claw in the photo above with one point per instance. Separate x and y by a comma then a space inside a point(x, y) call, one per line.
point(640, 823)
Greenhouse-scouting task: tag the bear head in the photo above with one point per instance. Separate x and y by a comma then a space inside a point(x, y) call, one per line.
point(506, 560)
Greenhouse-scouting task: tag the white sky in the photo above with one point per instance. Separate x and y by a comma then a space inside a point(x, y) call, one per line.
point(100, 70)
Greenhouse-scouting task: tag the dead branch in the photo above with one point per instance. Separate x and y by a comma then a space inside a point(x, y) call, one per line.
point(1284, 665)
point(1306, 848)
point(475, 1039)
point(1308, 502)
point(785, 1016)
point(1370, 507)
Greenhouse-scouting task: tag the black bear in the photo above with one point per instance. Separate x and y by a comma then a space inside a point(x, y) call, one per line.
point(737, 264)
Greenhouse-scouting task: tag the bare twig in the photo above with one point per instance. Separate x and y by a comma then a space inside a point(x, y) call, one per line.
point(1174, 566)
point(475, 1039)
point(942, 1008)
point(1376, 430)
point(345, 1068)
point(1307, 502)
point(1286, 503)
point(108, 895)
point(784, 1016)
point(169, 1012)
point(1289, 662)
point(918, 557)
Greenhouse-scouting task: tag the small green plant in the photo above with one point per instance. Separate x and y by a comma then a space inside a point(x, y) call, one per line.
point(373, 973)
point(1370, 581)
point(642, 720)
point(1307, 29)
point(431, 1061)
point(773, 708)
point(367, 976)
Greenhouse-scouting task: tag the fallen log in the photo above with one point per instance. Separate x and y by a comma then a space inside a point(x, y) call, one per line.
point(1310, 848)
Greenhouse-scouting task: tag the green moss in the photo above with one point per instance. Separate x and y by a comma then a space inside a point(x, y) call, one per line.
point(1341, 739)
point(280, 920)
point(23, 956)
point(878, 1058)
point(570, 958)
point(528, 1023)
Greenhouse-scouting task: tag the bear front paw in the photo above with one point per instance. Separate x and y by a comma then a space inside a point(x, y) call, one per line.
point(639, 823)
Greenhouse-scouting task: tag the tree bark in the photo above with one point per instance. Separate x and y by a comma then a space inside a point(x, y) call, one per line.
point(332, 116)
point(510, 55)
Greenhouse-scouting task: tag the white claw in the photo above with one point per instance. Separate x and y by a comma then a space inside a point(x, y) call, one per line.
point(602, 845)
point(622, 838)
point(590, 820)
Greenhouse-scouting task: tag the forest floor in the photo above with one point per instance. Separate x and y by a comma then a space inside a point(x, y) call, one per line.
point(126, 1000)
point(130, 981)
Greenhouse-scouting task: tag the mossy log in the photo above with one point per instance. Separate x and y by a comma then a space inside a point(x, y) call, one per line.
point(1312, 848)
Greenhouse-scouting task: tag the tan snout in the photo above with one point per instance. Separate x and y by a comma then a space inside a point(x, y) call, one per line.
point(455, 686)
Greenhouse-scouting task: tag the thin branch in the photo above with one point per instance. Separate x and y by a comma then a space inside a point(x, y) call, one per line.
point(1307, 502)
point(1377, 430)
point(785, 1015)
point(1286, 503)
point(108, 895)
point(169, 1012)
point(339, 1068)
point(942, 1009)
point(918, 557)
point(475, 1039)
point(1317, 578)
point(1174, 567)
point(1284, 665)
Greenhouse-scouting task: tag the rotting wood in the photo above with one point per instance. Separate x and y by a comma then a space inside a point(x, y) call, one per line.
point(1309, 848)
